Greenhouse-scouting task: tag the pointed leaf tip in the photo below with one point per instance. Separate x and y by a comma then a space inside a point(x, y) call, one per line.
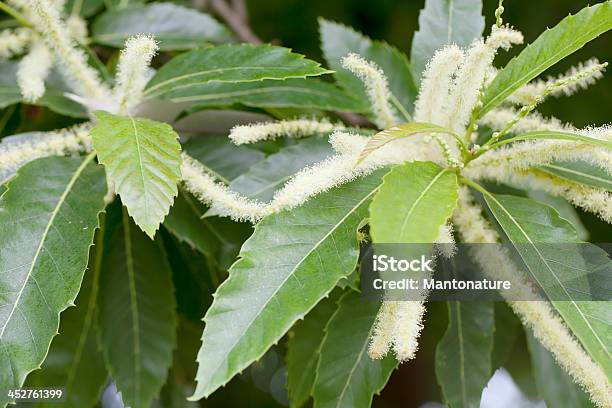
point(142, 158)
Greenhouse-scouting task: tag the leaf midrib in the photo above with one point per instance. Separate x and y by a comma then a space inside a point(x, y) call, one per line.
point(211, 71)
point(461, 354)
point(563, 136)
point(354, 367)
point(509, 89)
point(54, 214)
point(248, 92)
point(316, 245)
point(389, 135)
point(129, 261)
point(575, 172)
point(418, 200)
point(572, 301)
point(140, 159)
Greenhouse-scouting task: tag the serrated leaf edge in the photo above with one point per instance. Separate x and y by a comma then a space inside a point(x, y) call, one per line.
point(204, 394)
point(149, 91)
point(71, 302)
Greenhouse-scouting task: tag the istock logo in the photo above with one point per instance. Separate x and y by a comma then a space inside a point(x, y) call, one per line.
point(383, 263)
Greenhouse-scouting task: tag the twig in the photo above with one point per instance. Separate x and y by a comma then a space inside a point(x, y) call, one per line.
point(355, 119)
point(234, 21)
point(15, 14)
point(240, 9)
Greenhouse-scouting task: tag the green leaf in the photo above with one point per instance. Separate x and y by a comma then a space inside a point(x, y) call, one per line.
point(560, 270)
point(346, 375)
point(463, 355)
point(216, 237)
point(443, 22)
point(48, 217)
point(75, 360)
point(136, 317)
point(229, 63)
point(564, 208)
point(221, 157)
point(266, 292)
point(337, 41)
point(174, 26)
point(264, 178)
point(195, 277)
point(399, 132)
point(553, 135)
point(303, 348)
point(555, 386)
point(291, 93)
point(142, 159)
point(54, 97)
point(580, 172)
point(83, 8)
point(507, 329)
point(413, 202)
point(571, 34)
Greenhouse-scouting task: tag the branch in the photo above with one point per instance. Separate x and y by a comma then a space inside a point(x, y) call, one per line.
point(235, 19)
point(354, 119)
point(240, 8)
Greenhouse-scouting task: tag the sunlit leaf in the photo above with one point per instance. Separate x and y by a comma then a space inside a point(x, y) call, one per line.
point(564, 208)
point(230, 64)
point(413, 202)
point(142, 159)
point(292, 260)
